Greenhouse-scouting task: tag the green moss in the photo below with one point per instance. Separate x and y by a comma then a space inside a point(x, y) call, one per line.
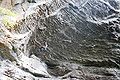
point(8, 22)
point(8, 17)
point(7, 12)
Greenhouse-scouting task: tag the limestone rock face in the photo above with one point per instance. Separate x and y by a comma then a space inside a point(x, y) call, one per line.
point(77, 39)
point(77, 32)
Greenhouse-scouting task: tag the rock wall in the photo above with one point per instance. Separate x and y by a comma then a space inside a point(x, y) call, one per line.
point(77, 39)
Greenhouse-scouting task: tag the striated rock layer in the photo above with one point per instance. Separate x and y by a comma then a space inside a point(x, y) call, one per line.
point(77, 39)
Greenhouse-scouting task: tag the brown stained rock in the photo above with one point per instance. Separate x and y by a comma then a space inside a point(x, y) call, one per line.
point(0, 1)
point(5, 53)
point(7, 4)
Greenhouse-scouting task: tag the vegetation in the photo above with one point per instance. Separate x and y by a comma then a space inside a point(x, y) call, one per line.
point(9, 17)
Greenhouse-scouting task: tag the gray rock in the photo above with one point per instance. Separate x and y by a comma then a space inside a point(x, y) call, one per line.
point(75, 34)
point(73, 38)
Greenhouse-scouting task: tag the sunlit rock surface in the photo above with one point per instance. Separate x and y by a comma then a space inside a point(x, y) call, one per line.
point(77, 39)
